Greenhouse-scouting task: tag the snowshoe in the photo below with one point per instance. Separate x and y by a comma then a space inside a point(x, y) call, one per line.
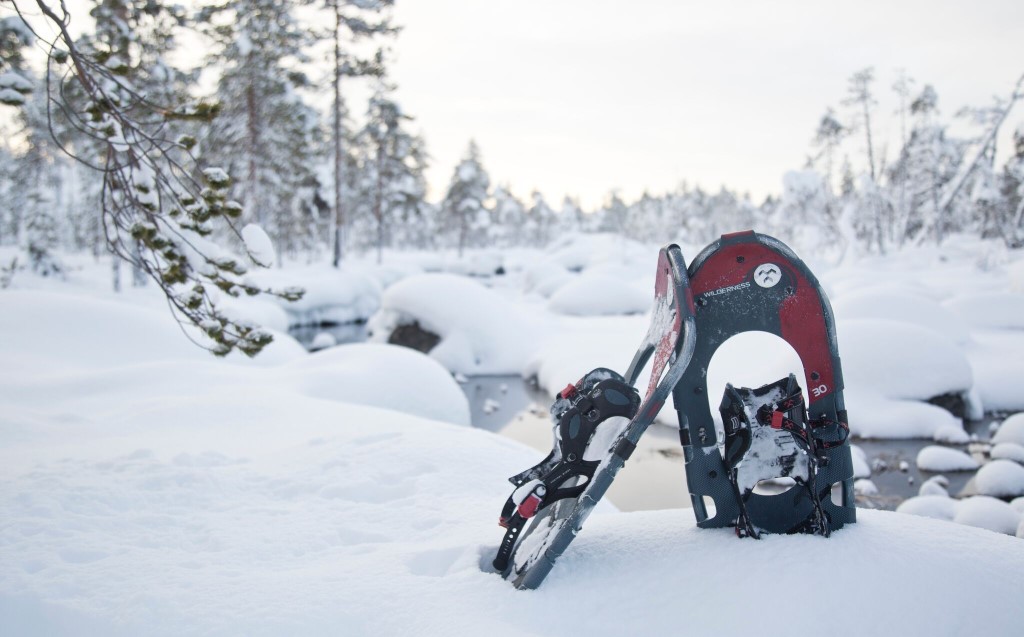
point(751, 282)
point(593, 438)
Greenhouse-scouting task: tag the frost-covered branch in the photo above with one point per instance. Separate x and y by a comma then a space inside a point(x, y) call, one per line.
point(159, 205)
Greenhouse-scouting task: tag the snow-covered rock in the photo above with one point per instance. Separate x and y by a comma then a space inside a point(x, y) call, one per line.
point(861, 468)
point(904, 308)
point(936, 458)
point(597, 295)
point(901, 361)
point(387, 376)
point(951, 435)
point(935, 485)
point(939, 507)
point(332, 295)
point(1001, 479)
point(1012, 430)
point(1004, 310)
point(481, 331)
point(865, 486)
point(1008, 451)
point(987, 513)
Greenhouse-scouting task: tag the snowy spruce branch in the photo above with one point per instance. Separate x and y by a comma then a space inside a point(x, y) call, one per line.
point(159, 206)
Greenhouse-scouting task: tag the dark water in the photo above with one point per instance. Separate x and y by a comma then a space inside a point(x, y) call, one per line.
point(343, 333)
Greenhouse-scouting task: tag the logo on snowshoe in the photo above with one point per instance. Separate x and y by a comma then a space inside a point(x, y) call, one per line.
point(767, 275)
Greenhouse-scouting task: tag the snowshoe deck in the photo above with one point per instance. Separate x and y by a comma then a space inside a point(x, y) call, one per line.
point(752, 282)
point(554, 498)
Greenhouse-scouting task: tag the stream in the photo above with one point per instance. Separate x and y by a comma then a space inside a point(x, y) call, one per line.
point(515, 407)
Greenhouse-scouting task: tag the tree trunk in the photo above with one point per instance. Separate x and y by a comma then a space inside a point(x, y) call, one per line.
point(338, 221)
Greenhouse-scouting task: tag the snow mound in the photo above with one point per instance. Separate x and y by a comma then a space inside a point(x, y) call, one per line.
point(937, 459)
point(544, 277)
point(904, 308)
point(577, 252)
point(940, 507)
point(987, 513)
point(332, 295)
point(598, 295)
point(951, 435)
point(899, 360)
point(384, 376)
point(995, 357)
point(1001, 479)
point(1003, 310)
point(935, 485)
point(481, 331)
point(865, 486)
point(1008, 451)
point(874, 416)
point(48, 332)
point(1012, 430)
point(861, 468)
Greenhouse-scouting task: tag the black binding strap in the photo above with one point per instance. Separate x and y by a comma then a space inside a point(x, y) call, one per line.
point(578, 411)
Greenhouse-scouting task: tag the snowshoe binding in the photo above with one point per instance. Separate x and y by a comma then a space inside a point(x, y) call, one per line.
point(768, 441)
point(598, 422)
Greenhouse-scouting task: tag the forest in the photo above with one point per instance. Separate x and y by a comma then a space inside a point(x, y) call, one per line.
point(122, 140)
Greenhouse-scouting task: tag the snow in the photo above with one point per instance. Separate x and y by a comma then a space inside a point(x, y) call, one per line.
point(386, 376)
point(598, 295)
point(935, 485)
point(259, 246)
point(861, 469)
point(990, 309)
point(940, 507)
point(1008, 451)
point(1001, 479)
point(151, 489)
point(1012, 430)
point(987, 513)
point(481, 331)
point(902, 307)
point(936, 458)
point(951, 434)
point(899, 360)
point(332, 295)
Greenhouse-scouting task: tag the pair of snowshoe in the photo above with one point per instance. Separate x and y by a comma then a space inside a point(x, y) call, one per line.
point(742, 282)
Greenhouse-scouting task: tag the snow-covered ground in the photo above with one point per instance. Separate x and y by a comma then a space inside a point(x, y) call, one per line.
point(147, 488)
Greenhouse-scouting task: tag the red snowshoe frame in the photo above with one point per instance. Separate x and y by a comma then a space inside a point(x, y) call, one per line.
point(752, 282)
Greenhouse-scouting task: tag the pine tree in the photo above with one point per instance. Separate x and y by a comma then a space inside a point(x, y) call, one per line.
point(393, 172)
point(509, 218)
point(265, 133)
point(158, 206)
point(465, 216)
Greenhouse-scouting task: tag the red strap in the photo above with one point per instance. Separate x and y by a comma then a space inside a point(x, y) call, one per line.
point(570, 390)
point(528, 507)
point(777, 418)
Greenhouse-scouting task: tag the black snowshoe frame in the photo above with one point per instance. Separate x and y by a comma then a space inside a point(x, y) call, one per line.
point(742, 282)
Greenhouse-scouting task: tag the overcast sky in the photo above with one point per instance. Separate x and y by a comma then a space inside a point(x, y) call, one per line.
point(579, 97)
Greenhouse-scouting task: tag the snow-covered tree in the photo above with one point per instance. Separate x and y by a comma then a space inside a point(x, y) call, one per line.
point(464, 212)
point(158, 206)
point(509, 227)
point(392, 173)
point(265, 133)
point(540, 221)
